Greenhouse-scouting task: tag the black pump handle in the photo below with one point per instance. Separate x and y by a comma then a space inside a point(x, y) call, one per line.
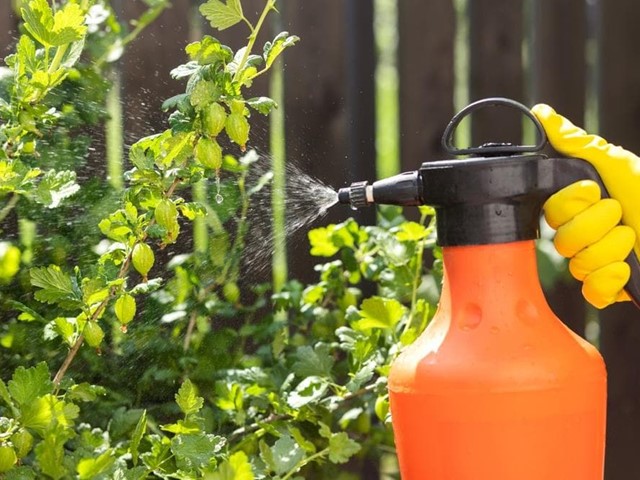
point(486, 150)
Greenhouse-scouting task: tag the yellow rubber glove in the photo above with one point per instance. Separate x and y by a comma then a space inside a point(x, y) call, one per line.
point(588, 230)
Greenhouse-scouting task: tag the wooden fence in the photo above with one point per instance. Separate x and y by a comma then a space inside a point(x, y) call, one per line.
point(578, 55)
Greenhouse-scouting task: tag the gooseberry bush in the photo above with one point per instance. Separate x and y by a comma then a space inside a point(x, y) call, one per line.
point(129, 352)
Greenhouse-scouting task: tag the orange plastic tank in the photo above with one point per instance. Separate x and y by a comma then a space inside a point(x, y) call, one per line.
point(497, 387)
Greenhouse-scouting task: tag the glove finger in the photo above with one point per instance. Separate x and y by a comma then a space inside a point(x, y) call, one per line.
point(565, 204)
point(573, 141)
point(587, 227)
point(615, 246)
point(602, 287)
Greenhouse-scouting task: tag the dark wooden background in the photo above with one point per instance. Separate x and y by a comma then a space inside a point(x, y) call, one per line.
point(578, 55)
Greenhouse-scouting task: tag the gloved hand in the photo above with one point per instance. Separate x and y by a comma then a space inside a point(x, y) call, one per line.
point(588, 230)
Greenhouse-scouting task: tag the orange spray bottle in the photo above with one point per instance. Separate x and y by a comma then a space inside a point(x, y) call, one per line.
point(496, 388)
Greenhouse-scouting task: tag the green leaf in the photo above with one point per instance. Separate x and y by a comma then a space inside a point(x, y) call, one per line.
point(187, 398)
point(341, 448)
point(89, 468)
point(286, 454)
point(20, 473)
point(309, 390)
point(27, 384)
point(207, 51)
point(411, 231)
point(68, 25)
point(196, 451)
point(313, 361)
point(237, 467)
point(264, 105)
point(55, 187)
point(203, 93)
point(56, 287)
point(378, 312)
point(136, 437)
point(321, 241)
point(272, 50)
point(192, 210)
point(38, 20)
point(221, 15)
point(65, 27)
point(50, 456)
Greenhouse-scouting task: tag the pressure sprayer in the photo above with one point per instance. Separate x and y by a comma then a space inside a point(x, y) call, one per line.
point(497, 387)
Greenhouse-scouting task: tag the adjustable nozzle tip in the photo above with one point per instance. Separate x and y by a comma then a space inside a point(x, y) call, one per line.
point(355, 195)
point(344, 195)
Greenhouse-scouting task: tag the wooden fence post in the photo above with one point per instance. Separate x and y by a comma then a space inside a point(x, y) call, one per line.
point(558, 74)
point(8, 31)
point(620, 340)
point(425, 67)
point(496, 34)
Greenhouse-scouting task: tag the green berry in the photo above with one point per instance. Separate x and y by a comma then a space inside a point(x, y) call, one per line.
point(23, 442)
point(93, 334)
point(208, 153)
point(125, 308)
point(231, 292)
point(237, 128)
point(166, 214)
point(8, 458)
point(213, 119)
point(142, 258)
point(382, 407)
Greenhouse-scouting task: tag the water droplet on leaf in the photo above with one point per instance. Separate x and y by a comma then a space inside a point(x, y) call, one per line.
point(219, 198)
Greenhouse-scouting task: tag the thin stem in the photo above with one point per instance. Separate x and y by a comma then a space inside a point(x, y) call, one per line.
point(305, 461)
point(124, 270)
point(189, 334)
point(57, 59)
point(6, 210)
point(253, 37)
point(417, 275)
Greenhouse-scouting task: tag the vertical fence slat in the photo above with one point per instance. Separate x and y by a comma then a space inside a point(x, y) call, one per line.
point(315, 102)
point(620, 339)
point(146, 66)
point(425, 67)
point(558, 63)
point(8, 31)
point(558, 77)
point(496, 34)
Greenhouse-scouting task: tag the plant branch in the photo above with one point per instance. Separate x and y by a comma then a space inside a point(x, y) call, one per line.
point(305, 461)
point(253, 37)
point(6, 210)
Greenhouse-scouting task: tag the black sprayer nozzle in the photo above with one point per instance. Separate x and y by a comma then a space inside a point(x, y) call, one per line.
point(404, 189)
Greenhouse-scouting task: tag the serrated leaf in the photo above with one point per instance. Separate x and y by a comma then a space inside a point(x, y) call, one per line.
point(136, 436)
point(68, 25)
point(55, 287)
point(272, 50)
point(411, 231)
point(322, 244)
point(342, 448)
point(263, 105)
point(195, 451)
point(313, 361)
point(187, 398)
point(237, 467)
point(27, 384)
point(89, 468)
point(50, 456)
point(192, 210)
point(55, 187)
point(378, 312)
point(286, 454)
point(222, 15)
point(38, 20)
point(308, 390)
